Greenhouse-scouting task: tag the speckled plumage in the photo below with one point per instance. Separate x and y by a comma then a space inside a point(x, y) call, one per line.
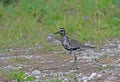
point(71, 44)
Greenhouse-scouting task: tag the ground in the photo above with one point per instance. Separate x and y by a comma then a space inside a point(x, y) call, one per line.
point(98, 65)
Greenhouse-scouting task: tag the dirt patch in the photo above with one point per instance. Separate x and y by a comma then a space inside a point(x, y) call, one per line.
point(101, 65)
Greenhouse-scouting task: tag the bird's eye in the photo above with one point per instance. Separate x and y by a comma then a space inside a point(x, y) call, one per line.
point(61, 31)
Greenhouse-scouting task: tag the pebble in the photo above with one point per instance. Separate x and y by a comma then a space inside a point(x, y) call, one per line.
point(50, 37)
point(92, 76)
point(104, 65)
point(66, 80)
point(36, 72)
point(84, 79)
point(110, 78)
point(118, 46)
point(86, 58)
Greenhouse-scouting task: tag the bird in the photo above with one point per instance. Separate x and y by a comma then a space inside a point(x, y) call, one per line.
point(71, 44)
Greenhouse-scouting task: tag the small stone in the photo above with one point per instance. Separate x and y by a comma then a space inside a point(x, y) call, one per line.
point(92, 75)
point(104, 65)
point(84, 79)
point(56, 42)
point(111, 78)
point(72, 71)
point(37, 76)
point(99, 75)
point(66, 80)
point(9, 49)
point(19, 67)
point(49, 37)
point(119, 46)
point(36, 72)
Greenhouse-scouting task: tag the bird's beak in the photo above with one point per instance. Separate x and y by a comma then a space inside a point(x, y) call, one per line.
point(56, 32)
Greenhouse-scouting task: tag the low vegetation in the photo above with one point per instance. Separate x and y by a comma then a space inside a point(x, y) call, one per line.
point(26, 23)
point(16, 75)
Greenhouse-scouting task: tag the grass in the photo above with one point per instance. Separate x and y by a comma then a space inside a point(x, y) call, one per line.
point(18, 75)
point(104, 67)
point(20, 60)
point(54, 79)
point(106, 60)
point(25, 23)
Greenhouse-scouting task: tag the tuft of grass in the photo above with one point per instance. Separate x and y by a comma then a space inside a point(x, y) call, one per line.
point(19, 60)
point(104, 59)
point(26, 23)
point(16, 75)
point(53, 79)
point(104, 67)
point(20, 76)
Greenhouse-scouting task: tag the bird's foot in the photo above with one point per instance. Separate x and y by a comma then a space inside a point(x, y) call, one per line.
point(74, 66)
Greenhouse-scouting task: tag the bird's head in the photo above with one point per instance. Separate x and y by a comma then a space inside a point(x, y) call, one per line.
point(61, 32)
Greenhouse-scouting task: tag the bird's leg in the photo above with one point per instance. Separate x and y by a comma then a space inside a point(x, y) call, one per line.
point(75, 61)
point(75, 57)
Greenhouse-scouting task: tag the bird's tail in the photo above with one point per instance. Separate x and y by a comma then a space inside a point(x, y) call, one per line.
point(86, 47)
point(90, 47)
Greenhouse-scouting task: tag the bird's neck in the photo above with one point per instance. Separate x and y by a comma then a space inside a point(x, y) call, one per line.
point(64, 37)
point(64, 40)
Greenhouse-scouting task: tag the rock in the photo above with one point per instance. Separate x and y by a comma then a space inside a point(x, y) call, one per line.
point(36, 72)
point(52, 40)
point(56, 42)
point(99, 75)
point(38, 80)
point(111, 78)
point(66, 80)
point(49, 37)
point(92, 76)
point(118, 46)
point(72, 71)
point(12, 67)
point(85, 79)
point(104, 65)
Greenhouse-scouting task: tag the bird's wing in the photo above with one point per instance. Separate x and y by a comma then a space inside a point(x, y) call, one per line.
point(75, 44)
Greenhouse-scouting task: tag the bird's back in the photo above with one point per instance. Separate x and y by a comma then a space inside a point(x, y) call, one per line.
point(71, 44)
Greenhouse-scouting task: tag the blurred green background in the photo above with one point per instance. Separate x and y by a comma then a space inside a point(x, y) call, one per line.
point(25, 23)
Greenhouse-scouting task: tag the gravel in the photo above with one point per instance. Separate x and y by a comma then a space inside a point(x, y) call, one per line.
point(100, 65)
